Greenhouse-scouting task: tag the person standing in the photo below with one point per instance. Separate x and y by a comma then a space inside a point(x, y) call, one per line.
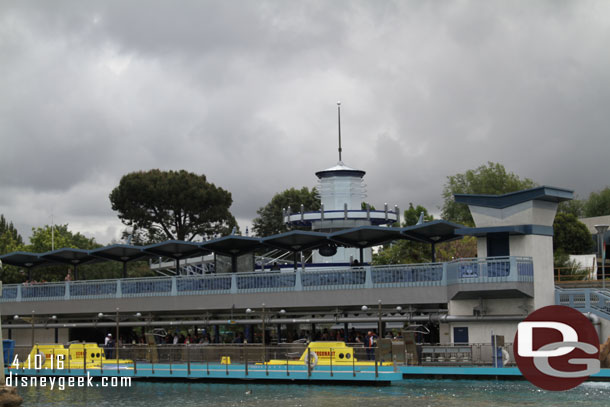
point(370, 342)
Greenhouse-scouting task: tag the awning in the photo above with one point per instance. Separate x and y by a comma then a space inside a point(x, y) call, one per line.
point(24, 259)
point(296, 240)
point(367, 236)
point(233, 245)
point(175, 249)
point(435, 231)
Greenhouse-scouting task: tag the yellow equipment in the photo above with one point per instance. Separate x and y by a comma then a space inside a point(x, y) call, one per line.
point(56, 356)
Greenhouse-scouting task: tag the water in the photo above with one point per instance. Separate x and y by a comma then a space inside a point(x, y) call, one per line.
point(414, 393)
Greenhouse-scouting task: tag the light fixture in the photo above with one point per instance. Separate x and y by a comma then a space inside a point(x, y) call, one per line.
point(364, 308)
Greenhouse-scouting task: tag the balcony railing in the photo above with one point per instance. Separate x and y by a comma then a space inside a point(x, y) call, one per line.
point(586, 300)
point(463, 271)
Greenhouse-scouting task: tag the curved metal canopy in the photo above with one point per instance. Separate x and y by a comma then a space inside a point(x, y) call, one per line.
point(175, 249)
point(233, 245)
point(296, 240)
point(366, 236)
point(436, 231)
point(120, 252)
point(71, 256)
point(25, 259)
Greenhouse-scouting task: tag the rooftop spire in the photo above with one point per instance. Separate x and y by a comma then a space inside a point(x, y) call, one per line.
point(339, 121)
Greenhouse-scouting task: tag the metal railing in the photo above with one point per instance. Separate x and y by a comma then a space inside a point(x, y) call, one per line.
point(286, 357)
point(340, 278)
point(201, 360)
point(585, 299)
point(490, 270)
point(463, 271)
point(408, 275)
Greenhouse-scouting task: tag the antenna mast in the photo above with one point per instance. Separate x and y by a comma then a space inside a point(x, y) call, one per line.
point(339, 121)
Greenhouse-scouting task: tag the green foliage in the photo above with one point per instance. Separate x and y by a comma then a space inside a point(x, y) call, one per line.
point(406, 251)
point(571, 236)
point(180, 205)
point(574, 207)
point(568, 270)
point(465, 247)
point(9, 237)
point(412, 214)
point(492, 179)
point(10, 241)
point(61, 237)
point(598, 203)
point(363, 206)
point(269, 220)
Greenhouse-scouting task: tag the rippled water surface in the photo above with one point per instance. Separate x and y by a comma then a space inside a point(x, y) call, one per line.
point(412, 393)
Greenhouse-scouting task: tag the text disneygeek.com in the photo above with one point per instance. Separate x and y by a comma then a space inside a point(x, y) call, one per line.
point(62, 382)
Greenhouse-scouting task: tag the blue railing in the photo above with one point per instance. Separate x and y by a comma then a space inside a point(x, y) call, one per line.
point(408, 275)
point(463, 271)
point(585, 299)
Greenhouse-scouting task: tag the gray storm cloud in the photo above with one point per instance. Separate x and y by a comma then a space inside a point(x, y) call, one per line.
point(245, 93)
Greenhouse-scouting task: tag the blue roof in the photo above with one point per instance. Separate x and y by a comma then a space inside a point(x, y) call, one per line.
point(543, 193)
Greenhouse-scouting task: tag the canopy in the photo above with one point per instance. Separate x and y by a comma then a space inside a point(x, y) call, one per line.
point(435, 231)
point(175, 249)
point(233, 245)
point(120, 252)
point(367, 236)
point(296, 240)
point(75, 257)
point(24, 259)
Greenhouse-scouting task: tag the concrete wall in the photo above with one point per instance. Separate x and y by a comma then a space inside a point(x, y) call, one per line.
point(526, 213)
point(540, 248)
point(213, 302)
point(605, 329)
point(480, 332)
point(23, 337)
point(504, 306)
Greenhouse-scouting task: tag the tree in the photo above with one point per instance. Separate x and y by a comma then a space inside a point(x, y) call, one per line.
point(10, 241)
point(406, 251)
point(571, 236)
point(9, 237)
point(574, 207)
point(487, 179)
point(46, 238)
point(598, 203)
point(172, 205)
point(269, 220)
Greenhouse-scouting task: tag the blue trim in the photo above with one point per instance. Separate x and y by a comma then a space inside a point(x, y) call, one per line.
point(340, 173)
point(511, 230)
point(543, 193)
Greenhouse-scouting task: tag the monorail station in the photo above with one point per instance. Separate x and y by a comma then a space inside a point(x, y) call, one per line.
point(220, 288)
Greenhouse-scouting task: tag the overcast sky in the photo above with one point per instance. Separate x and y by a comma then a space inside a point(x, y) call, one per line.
point(245, 92)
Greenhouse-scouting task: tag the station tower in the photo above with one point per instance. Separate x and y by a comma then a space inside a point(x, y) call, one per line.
point(342, 195)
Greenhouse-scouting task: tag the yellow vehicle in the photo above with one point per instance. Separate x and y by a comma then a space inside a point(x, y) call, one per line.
point(325, 353)
point(57, 356)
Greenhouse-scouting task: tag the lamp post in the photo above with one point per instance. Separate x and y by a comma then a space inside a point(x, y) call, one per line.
point(32, 321)
point(248, 311)
point(601, 230)
point(380, 322)
point(117, 319)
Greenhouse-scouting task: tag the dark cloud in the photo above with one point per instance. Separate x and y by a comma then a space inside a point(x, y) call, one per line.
point(245, 93)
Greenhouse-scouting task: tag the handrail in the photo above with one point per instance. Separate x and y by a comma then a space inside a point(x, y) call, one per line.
point(585, 299)
point(461, 271)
